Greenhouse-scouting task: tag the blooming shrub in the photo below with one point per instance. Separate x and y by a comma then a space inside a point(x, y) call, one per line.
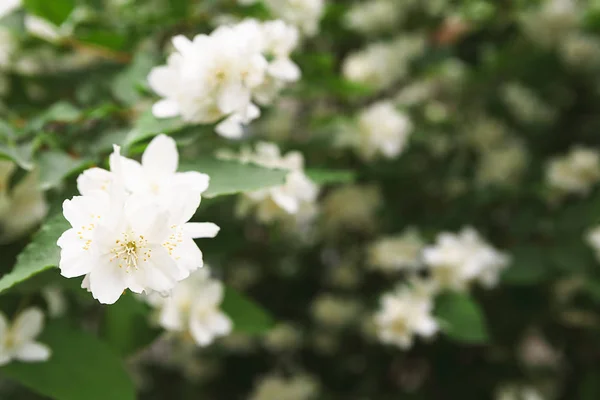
point(299, 199)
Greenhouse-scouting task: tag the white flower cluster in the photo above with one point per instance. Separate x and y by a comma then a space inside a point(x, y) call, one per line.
point(17, 340)
point(382, 64)
point(277, 387)
point(193, 308)
point(518, 392)
point(296, 197)
point(217, 77)
point(22, 207)
point(455, 261)
point(405, 313)
point(382, 130)
point(576, 172)
point(130, 226)
point(458, 260)
point(374, 16)
point(593, 239)
point(303, 14)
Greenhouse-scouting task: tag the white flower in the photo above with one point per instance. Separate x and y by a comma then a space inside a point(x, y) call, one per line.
point(334, 311)
point(575, 172)
point(351, 207)
point(382, 130)
point(283, 337)
point(193, 307)
point(396, 253)
point(304, 14)
point(502, 164)
point(518, 392)
point(8, 46)
point(17, 341)
point(593, 239)
point(294, 388)
point(405, 314)
point(8, 6)
point(23, 207)
point(137, 240)
point(373, 16)
point(457, 260)
point(216, 77)
point(294, 197)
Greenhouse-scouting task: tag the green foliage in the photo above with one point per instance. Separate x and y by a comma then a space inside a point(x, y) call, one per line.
point(56, 11)
point(461, 318)
point(81, 367)
point(247, 316)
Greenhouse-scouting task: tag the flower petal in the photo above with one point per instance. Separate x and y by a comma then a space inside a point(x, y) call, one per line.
point(197, 230)
point(28, 325)
point(220, 323)
point(33, 351)
point(93, 179)
point(165, 109)
point(161, 156)
point(107, 283)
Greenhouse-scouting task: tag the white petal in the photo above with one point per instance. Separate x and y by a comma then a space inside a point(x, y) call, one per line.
point(28, 325)
point(198, 230)
point(163, 80)
point(284, 69)
point(211, 295)
point(181, 43)
point(133, 175)
point(188, 257)
point(192, 180)
point(147, 219)
point(33, 351)
point(287, 202)
point(161, 156)
point(160, 271)
point(182, 204)
point(107, 283)
point(233, 97)
point(230, 128)
point(200, 332)
point(4, 358)
point(93, 179)
point(170, 317)
point(165, 109)
point(220, 323)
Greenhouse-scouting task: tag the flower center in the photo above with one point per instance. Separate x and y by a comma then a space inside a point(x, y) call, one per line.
point(130, 250)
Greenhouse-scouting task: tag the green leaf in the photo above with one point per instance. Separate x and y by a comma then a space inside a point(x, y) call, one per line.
point(58, 112)
point(148, 126)
point(247, 316)
point(55, 166)
point(328, 176)
point(125, 326)
point(20, 155)
point(461, 318)
point(81, 367)
point(55, 11)
point(529, 266)
point(39, 255)
point(230, 177)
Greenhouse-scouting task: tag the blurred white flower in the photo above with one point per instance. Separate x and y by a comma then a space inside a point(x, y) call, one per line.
point(22, 207)
point(8, 46)
point(283, 337)
point(374, 16)
point(334, 311)
point(396, 253)
point(457, 260)
point(536, 352)
point(43, 29)
point(502, 164)
point(304, 14)
point(122, 240)
point(381, 64)
point(294, 388)
point(8, 6)
point(403, 315)
point(592, 237)
point(215, 77)
point(525, 104)
point(518, 392)
point(581, 51)
point(193, 307)
point(56, 301)
point(382, 131)
point(17, 341)
point(296, 197)
point(550, 24)
point(575, 172)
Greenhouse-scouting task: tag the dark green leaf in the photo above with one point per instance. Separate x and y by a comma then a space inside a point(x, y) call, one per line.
point(39, 255)
point(55, 11)
point(230, 177)
point(461, 318)
point(327, 176)
point(55, 166)
point(81, 367)
point(247, 316)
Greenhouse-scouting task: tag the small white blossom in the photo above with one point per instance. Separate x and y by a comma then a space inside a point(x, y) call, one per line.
point(56, 301)
point(593, 239)
point(277, 387)
point(335, 311)
point(404, 314)
point(382, 130)
point(396, 253)
point(502, 164)
point(457, 260)
point(518, 392)
point(17, 341)
point(193, 307)
point(374, 16)
point(8, 6)
point(351, 207)
point(304, 14)
point(129, 229)
point(575, 172)
point(283, 337)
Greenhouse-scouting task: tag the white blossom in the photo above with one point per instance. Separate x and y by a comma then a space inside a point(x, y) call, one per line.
point(351, 207)
point(335, 311)
point(502, 164)
point(592, 238)
point(8, 6)
point(404, 314)
point(457, 260)
point(396, 253)
point(130, 228)
point(518, 392)
point(18, 340)
point(304, 14)
point(216, 77)
point(374, 16)
point(277, 387)
point(382, 131)
point(21, 208)
point(193, 307)
point(575, 172)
